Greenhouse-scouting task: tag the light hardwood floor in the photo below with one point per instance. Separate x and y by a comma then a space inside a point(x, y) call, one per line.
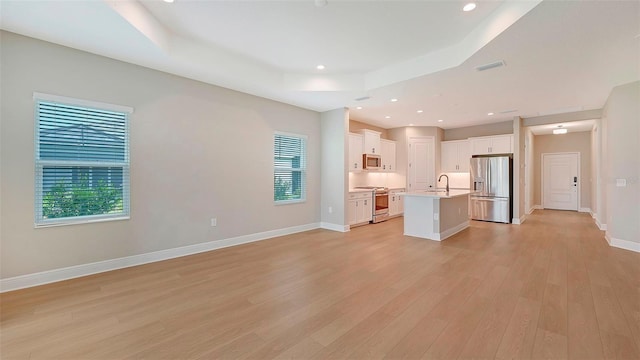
point(550, 288)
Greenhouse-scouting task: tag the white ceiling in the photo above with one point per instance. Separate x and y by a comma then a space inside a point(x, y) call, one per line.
point(561, 55)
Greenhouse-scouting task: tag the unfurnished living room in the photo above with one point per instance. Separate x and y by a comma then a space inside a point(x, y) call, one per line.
point(319, 179)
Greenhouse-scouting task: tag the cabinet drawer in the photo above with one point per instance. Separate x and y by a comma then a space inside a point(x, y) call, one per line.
point(360, 195)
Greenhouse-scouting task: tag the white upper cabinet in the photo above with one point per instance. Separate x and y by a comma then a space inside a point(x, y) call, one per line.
point(355, 152)
point(388, 149)
point(371, 141)
point(500, 144)
point(455, 156)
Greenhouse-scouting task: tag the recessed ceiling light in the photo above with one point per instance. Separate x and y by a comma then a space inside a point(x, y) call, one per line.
point(490, 114)
point(440, 120)
point(168, 1)
point(469, 7)
point(319, 67)
point(387, 117)
point(394, 100)
point(419, 111)
point(410, 124)
point(359, 108)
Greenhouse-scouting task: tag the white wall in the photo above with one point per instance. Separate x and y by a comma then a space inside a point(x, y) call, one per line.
point(519, 134)
point(334, 180)
point(621, 160)
point(197, 151)
point(596, 175)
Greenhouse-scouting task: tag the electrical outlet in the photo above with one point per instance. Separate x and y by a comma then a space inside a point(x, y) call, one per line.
point(621, 182)
point(330, 209)
point(214, 221)
point(436, 216)
point(459, 211)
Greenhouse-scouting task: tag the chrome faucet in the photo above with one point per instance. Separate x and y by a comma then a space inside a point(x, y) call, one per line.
point(447, 176)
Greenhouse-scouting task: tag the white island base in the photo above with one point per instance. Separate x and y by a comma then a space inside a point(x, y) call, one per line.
point(435, 215)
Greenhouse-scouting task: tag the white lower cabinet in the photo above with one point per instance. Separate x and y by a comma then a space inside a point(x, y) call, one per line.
point(396, 202)
point(360, 207)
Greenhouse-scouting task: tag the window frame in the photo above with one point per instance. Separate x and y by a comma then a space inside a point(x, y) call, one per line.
point(302, 170)
point(39, 164)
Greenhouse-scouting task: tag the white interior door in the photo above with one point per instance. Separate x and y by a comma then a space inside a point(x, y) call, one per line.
point(560, 181)
point(421, 163)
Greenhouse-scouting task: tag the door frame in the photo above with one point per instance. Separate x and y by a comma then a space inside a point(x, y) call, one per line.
point(542, 176)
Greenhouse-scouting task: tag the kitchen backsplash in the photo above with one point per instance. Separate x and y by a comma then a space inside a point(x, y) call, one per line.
point(457, 181)
point(390, 180)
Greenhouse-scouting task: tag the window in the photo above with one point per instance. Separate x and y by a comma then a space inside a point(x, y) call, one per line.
point(82, 161)
point(289, 164)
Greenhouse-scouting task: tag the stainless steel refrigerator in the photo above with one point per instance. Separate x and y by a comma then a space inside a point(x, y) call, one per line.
point(491, 179)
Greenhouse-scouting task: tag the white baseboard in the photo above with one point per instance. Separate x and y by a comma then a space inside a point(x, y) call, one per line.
point(454, 230)
point(623, 244)
point(537, 207)
point(441, 235)
point(50, 276)
point(334, 227)
point(585, 210)
point(519, 221)
point(600, 226)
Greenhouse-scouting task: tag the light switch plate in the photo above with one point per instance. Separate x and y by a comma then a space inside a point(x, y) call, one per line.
point(621, 182)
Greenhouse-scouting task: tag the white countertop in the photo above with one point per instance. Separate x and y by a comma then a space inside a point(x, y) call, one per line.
point(440, 194)
point(360, 190)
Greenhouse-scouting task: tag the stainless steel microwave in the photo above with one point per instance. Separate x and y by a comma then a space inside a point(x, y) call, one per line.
point(371, 162)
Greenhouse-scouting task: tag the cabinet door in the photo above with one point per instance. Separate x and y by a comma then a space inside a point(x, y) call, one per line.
point(367, 210)
point(501, 144)
point(400, 200)
point(449, 156)
point(355, 152)
point(464, 156)
point(352, 211)
point(388, 155)
point(480, 146)
point(371, 142)
point(361, 211)
point(391, 156)
point(393, 203)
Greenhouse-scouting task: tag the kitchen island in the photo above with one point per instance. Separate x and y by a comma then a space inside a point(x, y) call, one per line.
point(435, 215)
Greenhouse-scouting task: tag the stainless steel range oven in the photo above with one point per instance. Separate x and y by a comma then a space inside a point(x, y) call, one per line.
point(380, 203)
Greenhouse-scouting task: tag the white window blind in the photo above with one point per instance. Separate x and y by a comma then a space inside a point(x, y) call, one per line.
point(82, 163)
point(290, 165)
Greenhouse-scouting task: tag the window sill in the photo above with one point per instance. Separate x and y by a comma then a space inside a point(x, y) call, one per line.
point(289, 202)
point(80, 221)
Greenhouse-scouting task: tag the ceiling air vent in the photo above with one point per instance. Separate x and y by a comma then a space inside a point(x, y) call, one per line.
point(508, 111)
point(363, 98)
point(490, 66)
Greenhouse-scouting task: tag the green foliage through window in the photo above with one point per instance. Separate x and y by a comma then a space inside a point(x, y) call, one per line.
point(81, 199)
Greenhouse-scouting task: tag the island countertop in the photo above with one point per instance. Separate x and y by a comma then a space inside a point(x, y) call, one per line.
point(439, 194)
